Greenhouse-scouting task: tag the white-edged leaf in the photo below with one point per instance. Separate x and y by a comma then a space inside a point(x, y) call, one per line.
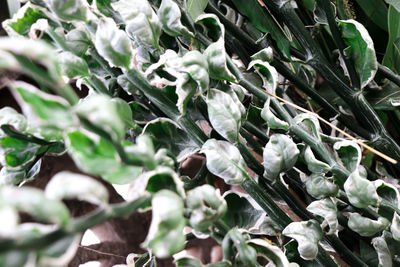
point(195, 7)
point(113, 115)
point(142, 23)
point(395, 227)
point(326, 209)
point(34, 202)
point(273, 121)
point(113, 44)
point(360, 49)
point(91, 153)
point(9, 116)
point(224, 114)
point(319, 186)
point(163, 130)
point(71, 65)
point(314, 165)
point(310, 123)
point(170, 18)
point(383, 251)
point(365, 226)
point(206, 205)
point(216, 58)
point(269, 251)
point(360, 191)
point(307, 234)
point(268, 74)
point(280, 154)
point(49, 112)
point(69, 10)
point(165, 235)
point(266, 55)
point(224, 160)
point(68, 185)
point(349, 153)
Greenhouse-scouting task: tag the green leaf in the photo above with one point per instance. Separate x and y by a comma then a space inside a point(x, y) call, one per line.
point(389, 194)
point(314, 165)
point(78, 41)
point(142, 151)
point(376, 11)
point(394, 3)
point(162, 178)
point(216, 58)
point(307, 234)
point(163, 130)
point(123, 175)
point(388, 98)
point(245, 214)
point(61, 252)
point(9, 176)
point(319, 186)
point(206, 205)
point(349, 153)
point(360, 191)
point(268, 74)
point(22, 21)
point(392, 54)
point(9, 116)
point(43, 110)
point(113, 115)
point(310, 123)
point(69, 10)
point(265, 55)
point(269, 252)
point(365, 226)
point(142, 23)
point(384, 255)
point(64, 185)
point(237, 239)
point(72, 66)
point(212, 26)
point(17, 154)
point(280, 154)
point(195, 7)
point(326, 209)
point(165, 235)
point(224, 160)
point(92, 153)
point(262, 19)
point(395, 227)
point(224, 114)
point(170, 18)
point(273, 121)
point(34, 202)
point(113, 44)
point(360, 49)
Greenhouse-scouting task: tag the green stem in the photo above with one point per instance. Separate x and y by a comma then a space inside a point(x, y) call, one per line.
point(388, 74)
point(337, 38)
point(25, 137)
point(75, 226)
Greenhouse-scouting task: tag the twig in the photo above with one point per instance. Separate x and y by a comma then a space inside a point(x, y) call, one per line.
point(373, 150)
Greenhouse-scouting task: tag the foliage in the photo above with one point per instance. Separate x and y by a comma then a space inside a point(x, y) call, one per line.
point(156, 71)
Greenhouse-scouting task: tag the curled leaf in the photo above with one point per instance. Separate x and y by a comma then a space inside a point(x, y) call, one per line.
point(165, 235)
point(63, 185)
point(360, 191)
point(113, 44)
point(366, 226)
point(307, 234)
point(360, 49)
point(280, 154)
point(206, 205)
point(170, 18)
point(327, 210)
point(224, 160)
point(225, 114)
